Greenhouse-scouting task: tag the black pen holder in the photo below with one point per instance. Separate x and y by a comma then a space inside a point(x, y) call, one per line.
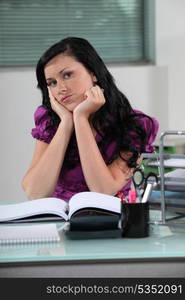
point(135, 220)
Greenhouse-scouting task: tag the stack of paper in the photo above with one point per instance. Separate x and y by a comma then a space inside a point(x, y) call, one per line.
point(11, 234)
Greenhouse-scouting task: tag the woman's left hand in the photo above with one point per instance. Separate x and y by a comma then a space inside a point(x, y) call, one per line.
point(93, 100)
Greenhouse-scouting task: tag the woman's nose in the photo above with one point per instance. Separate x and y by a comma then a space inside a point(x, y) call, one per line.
point(61, 87)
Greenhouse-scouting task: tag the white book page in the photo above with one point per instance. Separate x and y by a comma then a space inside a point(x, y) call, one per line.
point(94, 200)
point(30, 208)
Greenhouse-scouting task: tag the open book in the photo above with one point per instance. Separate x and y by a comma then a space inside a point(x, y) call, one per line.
point(81, 204)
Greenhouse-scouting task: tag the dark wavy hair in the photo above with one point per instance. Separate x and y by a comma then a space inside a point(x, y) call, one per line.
point(116, 119)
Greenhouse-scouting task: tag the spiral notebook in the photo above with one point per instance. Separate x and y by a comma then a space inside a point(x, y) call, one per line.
point(21, 234)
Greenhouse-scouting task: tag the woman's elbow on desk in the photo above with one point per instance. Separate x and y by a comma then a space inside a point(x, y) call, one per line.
point(30, 191)
point(108, 189)
point(29, 195)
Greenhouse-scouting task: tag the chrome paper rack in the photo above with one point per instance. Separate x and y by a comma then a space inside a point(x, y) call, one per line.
point(160, 158)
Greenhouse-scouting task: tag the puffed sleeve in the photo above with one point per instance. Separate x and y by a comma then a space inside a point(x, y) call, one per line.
point(44, 129)
point(151, 126)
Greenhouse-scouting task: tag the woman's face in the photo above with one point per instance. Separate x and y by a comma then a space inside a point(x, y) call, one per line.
point(68, 80)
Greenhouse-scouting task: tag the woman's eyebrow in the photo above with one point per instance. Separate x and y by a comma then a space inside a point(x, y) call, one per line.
point(60, 72)
point(63, 70)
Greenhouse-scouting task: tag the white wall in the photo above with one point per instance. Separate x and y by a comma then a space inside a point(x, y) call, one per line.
point(19, 97)
point(157, 90)
point(170, 50)
point(146, 87)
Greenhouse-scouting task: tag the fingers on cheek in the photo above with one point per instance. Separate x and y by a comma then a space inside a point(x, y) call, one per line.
point(49, 93)
point(52, 101)
point(96, 95)
point(85, 96)
point(100, 95)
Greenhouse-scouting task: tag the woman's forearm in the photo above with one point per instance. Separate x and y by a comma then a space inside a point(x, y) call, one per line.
point(97, 175)
point(40, 181)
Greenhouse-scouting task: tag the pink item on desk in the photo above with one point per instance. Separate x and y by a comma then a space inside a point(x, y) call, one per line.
point(132, 196)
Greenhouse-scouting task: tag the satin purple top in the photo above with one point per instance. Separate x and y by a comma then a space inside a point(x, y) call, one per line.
point(72, 181)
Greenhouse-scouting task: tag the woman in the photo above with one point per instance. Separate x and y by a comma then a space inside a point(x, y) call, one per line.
point(88, 137)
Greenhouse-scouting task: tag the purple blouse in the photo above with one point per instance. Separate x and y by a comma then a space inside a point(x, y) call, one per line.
point(72, 181)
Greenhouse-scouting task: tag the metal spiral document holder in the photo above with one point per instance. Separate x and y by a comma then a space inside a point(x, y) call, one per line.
point(164, 220)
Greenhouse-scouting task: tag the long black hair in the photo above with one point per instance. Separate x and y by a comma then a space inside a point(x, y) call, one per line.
point(116, 119)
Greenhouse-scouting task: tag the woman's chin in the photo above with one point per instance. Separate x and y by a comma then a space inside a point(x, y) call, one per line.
point(71, 107)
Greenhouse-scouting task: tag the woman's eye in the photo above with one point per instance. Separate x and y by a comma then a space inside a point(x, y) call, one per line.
point(52, 83)
point(66, 75)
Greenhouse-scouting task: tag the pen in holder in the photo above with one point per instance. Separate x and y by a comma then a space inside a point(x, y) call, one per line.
point(135, 219)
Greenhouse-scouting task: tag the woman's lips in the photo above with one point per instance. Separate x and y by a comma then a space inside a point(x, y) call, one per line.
point(65, 98)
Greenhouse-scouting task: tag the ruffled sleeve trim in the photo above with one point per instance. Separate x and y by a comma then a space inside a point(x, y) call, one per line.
point(44, 129)
point(151, 127)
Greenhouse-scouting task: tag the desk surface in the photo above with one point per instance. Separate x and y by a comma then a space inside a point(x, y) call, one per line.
point(164, 243)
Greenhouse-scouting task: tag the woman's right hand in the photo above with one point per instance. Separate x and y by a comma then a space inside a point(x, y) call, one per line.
point(59, 109)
